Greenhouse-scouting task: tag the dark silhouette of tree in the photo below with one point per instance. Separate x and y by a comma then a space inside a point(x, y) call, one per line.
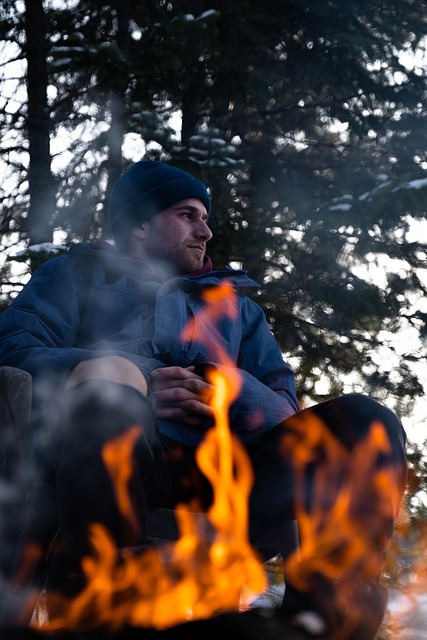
point(40, 180)
point(308, 128)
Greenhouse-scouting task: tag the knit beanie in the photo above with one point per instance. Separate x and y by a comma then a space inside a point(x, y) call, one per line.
point(148, 187)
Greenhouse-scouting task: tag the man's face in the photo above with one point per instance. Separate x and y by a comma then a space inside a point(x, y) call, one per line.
point(178, 236)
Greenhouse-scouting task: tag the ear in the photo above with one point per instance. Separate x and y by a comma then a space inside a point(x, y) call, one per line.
point(141, 231)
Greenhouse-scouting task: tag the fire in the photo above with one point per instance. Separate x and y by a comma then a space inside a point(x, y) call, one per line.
point(333, 543)
point(220, 302)
point(117, 459)
point(210, 570)
point(199, 575)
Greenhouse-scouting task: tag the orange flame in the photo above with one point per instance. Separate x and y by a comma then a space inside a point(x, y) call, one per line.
point(192, 578)
point(220, 302)
point(333, 542)
point(200, 574)
point(116, 455)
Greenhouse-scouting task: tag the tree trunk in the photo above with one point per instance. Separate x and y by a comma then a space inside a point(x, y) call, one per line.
point(117, 104)
point(40, 179)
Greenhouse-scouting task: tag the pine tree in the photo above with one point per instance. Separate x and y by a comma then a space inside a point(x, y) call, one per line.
point(309, 131)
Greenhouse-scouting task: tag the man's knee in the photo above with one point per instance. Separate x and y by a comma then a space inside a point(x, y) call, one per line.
point(111, 368)
point(354, 414)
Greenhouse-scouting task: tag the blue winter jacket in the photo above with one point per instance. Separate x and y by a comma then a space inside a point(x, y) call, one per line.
point(96, 301)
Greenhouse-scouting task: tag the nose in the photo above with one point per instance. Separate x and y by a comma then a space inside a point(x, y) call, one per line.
point(203, 230)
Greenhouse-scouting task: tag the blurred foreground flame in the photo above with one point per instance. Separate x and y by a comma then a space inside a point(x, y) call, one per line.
point(342, 525)
point(198, 575)
point(332, 534)
point(117, 458)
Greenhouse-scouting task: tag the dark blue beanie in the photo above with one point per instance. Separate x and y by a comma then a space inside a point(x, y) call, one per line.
point(148, 187)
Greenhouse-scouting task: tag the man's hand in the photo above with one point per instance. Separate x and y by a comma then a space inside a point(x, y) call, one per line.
point(181, 395)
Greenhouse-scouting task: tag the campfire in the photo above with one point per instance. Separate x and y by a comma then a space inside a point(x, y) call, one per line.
point(192, 578)
point(207, 571)
point(210, 576)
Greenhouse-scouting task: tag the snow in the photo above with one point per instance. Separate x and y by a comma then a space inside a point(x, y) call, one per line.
point(43, 247)
point(341, 207)
point(418, 184)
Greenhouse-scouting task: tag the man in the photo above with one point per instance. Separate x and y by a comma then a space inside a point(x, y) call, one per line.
point(103, 331)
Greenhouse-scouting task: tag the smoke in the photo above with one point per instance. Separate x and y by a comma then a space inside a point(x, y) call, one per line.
point(14, 475)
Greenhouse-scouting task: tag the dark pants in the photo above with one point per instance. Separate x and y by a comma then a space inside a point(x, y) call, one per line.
point(329, 434)
point(342, 459)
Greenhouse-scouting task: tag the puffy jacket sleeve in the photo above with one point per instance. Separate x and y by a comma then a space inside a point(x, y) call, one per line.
point(39, 332)
point(268, 393)
point(39, 329)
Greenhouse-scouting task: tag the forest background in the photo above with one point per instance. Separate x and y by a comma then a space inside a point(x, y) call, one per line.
point(308, 121)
